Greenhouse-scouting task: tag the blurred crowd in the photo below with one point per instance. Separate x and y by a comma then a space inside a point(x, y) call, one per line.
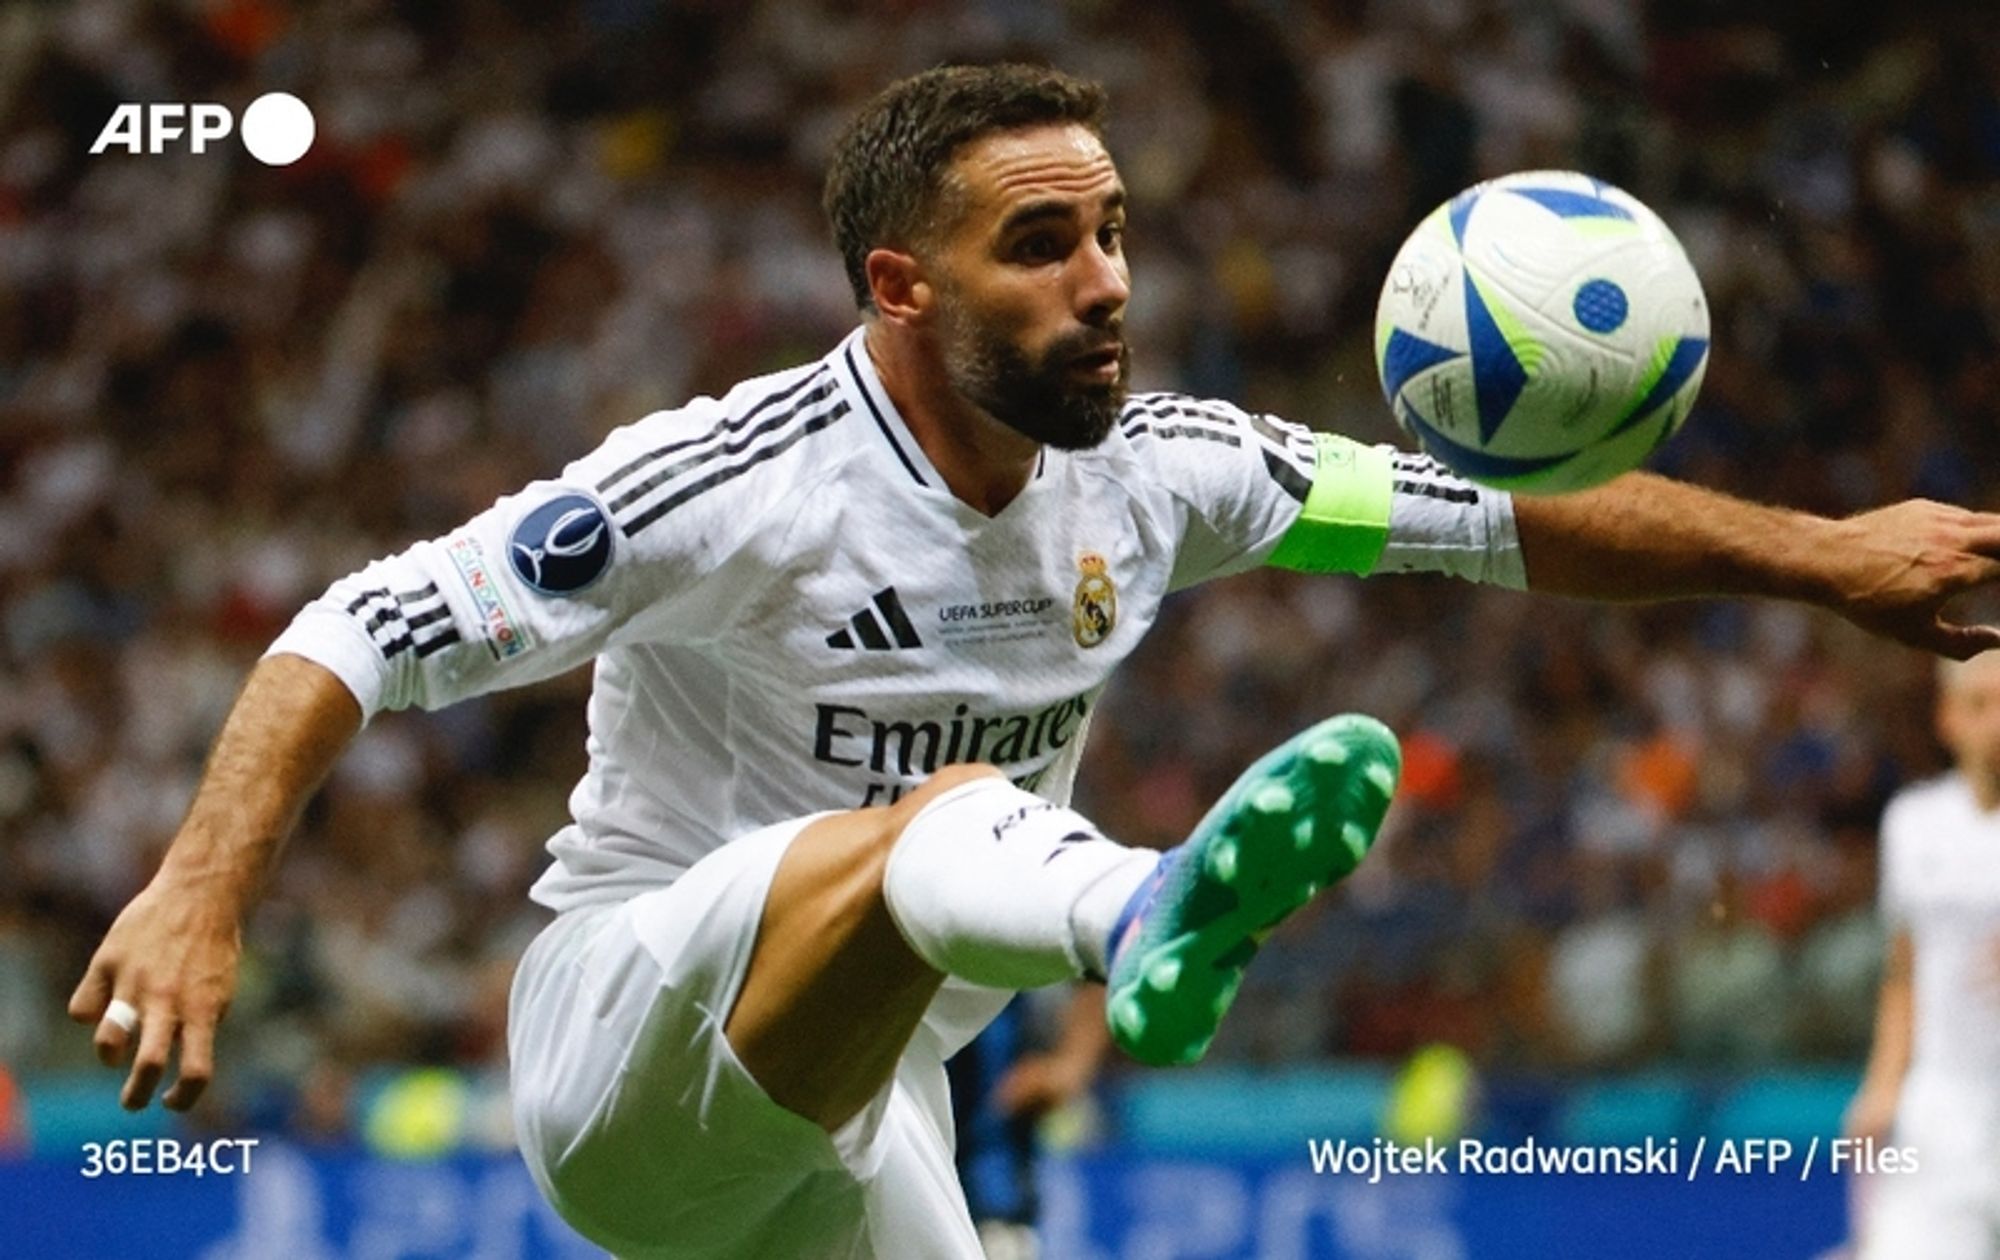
point(1627, 835)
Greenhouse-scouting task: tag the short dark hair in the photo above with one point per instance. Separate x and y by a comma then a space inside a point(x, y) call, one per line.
point(888, 173)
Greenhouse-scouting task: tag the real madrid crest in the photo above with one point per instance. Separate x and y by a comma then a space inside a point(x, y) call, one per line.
point(1094, 611)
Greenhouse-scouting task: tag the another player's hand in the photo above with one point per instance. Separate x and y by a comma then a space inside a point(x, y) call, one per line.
point(172, 955)
point(1871, 1113)
point(1039, 1083)
point(1901, 564)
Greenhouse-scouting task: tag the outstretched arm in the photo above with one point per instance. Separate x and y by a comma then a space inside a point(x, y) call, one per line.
point(1643, 537)
point(534, 585)
point(172, 953)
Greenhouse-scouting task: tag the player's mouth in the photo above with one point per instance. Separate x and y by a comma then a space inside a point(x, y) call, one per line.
point(1103, 364)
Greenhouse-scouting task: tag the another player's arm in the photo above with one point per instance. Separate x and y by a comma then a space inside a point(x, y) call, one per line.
point(1042, 1082)
point(1645, 537)
point(172, 953)
point(1874, 1106)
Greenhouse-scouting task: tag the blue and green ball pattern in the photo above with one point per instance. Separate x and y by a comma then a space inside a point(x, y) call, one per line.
point(1542, 333)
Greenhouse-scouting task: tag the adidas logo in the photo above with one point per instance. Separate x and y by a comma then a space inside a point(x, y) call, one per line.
point(864, 630)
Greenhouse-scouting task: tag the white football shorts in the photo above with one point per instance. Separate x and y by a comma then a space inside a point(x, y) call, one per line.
point(1949, 1209)
point(647, 1135)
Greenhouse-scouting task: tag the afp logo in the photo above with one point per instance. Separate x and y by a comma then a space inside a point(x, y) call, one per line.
point(277, 128)
point(562, 546)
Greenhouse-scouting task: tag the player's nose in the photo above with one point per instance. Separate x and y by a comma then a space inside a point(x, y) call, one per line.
point(1103, 287)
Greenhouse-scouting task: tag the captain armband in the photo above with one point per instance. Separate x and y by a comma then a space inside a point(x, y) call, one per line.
point(1345, 522)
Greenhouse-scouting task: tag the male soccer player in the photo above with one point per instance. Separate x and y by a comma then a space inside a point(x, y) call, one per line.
point(849, 622)
point(1003, 1084)
point(1933, 1078)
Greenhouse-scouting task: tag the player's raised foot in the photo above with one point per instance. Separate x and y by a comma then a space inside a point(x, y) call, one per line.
point(1298, 820)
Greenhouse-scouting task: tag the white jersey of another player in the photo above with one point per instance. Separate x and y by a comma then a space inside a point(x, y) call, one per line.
point(1936, 1064)
point(1941, 884)
point(791, 613)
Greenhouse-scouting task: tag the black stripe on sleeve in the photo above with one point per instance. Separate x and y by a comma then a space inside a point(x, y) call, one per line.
point(382, 617)
point(1212, 410)
point(1146, 418)
point(1268, 431)
point(438, 642)
point(429, 617)
point(721, 476)
point(722, 430)
point(1438, 490)
point(660, 476)
point(1282, 442)
point(1289, 479)
point(1190, 431)
point(1135, 428)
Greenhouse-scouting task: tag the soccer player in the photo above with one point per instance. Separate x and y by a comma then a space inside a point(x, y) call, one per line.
point(1003, 1083)
point(1933, 1078)
point(849, 623)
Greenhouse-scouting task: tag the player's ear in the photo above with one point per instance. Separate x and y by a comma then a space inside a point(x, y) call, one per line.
point(896, 279)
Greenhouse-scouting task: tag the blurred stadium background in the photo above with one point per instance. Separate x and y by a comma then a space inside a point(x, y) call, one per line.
point(1632, 873)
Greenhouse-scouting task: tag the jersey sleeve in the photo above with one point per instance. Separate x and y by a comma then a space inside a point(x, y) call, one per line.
point(1258, 489)
point(624, 545)
point(1441, 523)
point(1375, 509)
point(1240, 479)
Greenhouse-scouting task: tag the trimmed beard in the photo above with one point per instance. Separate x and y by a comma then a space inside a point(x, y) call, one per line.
point(1033, 396)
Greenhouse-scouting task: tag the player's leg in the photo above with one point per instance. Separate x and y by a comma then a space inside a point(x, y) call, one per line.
point(1945, 1209)
point(996, 1148)
point(974, 877)
point(870, 909)
point(638, 1117)
point(634, 1116)
point(1298, 820)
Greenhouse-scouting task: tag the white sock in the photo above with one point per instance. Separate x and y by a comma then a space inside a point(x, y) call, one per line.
point(998, 886)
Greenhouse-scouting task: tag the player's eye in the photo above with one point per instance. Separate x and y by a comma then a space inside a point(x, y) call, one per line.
point(1111, 237)
point(1039, 247)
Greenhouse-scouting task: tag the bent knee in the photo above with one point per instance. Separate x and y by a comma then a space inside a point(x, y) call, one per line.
point(947, 778)
point(866, 836)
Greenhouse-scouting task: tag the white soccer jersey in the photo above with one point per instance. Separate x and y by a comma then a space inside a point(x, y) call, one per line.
point(1941, 883)
point(790, 612)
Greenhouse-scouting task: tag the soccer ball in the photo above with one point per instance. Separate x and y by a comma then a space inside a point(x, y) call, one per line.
point(1541, 332)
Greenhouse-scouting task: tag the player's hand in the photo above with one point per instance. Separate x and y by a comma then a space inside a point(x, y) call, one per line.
point(1871, 1114)
point(171, 955)
point(1040, 1083)
point(1901, 564)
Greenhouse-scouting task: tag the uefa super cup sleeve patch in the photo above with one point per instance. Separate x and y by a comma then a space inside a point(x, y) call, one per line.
point(562, 546)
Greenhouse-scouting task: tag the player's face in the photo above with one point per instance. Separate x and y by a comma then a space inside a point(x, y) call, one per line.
point(1969, 714)
point(1032, 283)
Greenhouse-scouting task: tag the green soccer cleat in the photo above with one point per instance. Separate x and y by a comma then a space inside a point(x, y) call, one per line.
point(1300, 819)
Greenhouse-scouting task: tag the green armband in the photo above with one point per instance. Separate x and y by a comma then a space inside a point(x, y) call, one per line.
point(1345, 522)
